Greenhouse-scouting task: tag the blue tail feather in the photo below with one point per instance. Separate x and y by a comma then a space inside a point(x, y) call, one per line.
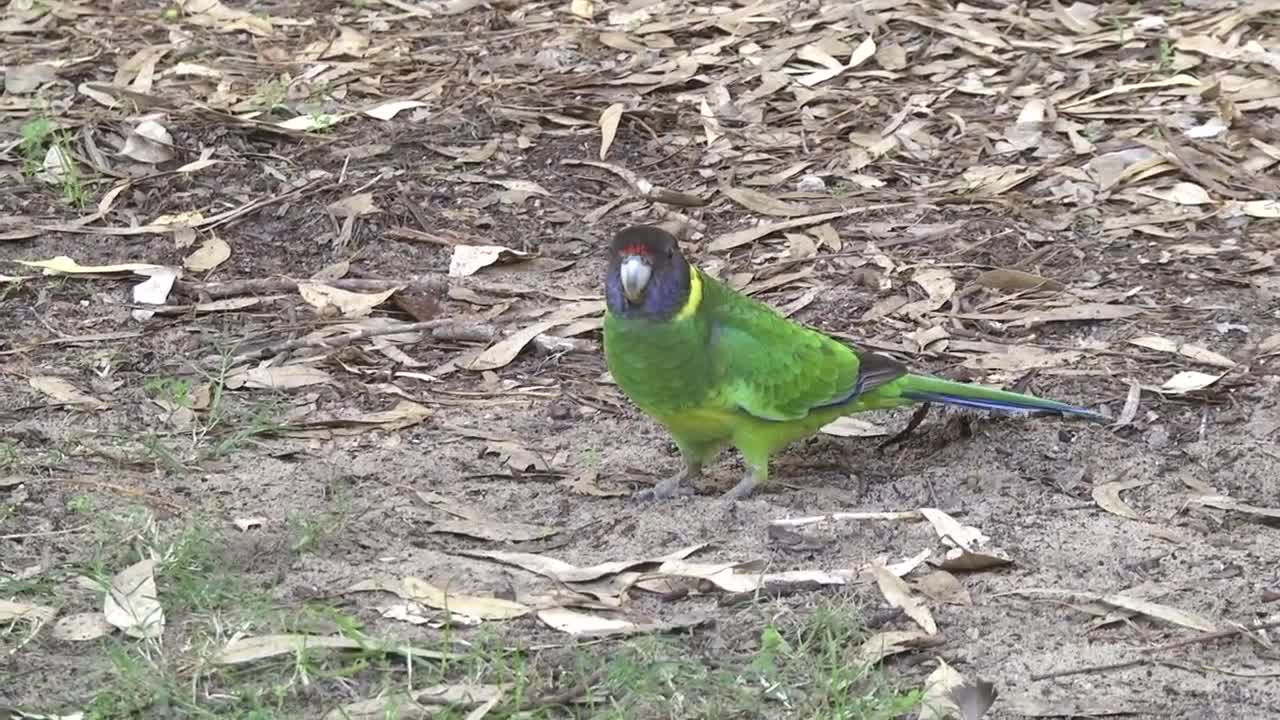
point(998, 405)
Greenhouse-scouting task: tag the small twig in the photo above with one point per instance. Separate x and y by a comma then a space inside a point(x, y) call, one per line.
point(564, 697)
point(1242, 630)
point(916, 418)
point(909, 515)
point(46, 533)
point(338, 341)
point(278, 285)
point(1024, 68)
point(642, 187)
point(1091, 668)
point(415, 235)
point(131, 492)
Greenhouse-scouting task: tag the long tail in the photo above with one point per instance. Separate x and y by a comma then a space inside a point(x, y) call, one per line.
point(923, 388)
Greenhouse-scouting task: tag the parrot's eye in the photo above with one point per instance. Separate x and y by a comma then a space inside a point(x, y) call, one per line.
point(671, 252)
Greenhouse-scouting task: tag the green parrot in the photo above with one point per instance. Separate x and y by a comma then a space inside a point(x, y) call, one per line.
point(716, 368)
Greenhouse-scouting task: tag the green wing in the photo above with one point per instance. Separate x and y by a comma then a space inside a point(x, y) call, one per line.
point(777, 370)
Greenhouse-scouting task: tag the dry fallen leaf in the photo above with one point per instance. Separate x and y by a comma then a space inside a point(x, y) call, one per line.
point(898, 594)
point(349, 304)
point(1158, 611)
point(64, 264)
point(405, 413)
point(1101, 604)
point(354, 206)
point(938, 284)
point(743, 237)
point(424, 703)
point(58, 165)
point(1269, 346)
point(63, 391)
point(951, 531)
point(242, 650)
point(566, 572)
point(1107, 495)
point(516, 456)
point(762, 203)
point(1130, 409)
point(1183, 193)
point(388, 110)
point(473, 606)
point(937, 702)
point(212, 252)
point(311, 122)
point(132, 602)
point(249, 523)
point(942, 586)
point(1189, 381)
point(467, 259)
point(1195, 352)
point(574, 622)
point(1261, 208)
point(153, 291)
point(39, 614)
point(23, 79)
point(853, 427)
point(969, 549)
point(1223, 502)
point(81, 627)
point(1021, 358)
point(468, 154)
point(506, 350)
point(609, 120)
point(149, 142)
point(883, 644)
point(349, 43)
point(580, 624)
point(213, 13)
point(1015, 280)
point(1086, 311)
point(284, 377)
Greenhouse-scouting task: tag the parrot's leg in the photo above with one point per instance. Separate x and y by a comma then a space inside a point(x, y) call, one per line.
point(756, 456)
point(755, 449)
point(695, 454)
point(745, 487)
point(677, 485)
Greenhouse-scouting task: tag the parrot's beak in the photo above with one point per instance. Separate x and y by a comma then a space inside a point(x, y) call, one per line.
point(635, 272)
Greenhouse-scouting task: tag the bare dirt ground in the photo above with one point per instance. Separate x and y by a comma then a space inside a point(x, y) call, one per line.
point(1077, 199)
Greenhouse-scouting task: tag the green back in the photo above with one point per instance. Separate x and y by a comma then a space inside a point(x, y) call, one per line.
point(769, 366)
point(734, 353)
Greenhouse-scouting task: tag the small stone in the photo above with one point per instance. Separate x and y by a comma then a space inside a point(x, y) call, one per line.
point(1158, 438)
point(811, 183)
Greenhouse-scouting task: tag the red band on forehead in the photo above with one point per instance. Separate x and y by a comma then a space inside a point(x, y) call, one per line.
point(636, 249)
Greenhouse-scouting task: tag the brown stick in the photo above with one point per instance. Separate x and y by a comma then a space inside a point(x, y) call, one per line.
point(338, 340)
point(413, 235)
point(119, 489)
point(449, 329)
point(276, 286)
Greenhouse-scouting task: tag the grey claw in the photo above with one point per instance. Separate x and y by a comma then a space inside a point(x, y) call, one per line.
point(743, 490)
point(663, 491)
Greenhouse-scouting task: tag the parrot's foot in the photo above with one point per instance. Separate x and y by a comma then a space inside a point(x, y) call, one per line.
point(745, 487)
point(671, 487)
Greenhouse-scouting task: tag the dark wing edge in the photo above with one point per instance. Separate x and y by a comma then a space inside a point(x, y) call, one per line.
point(874, 370)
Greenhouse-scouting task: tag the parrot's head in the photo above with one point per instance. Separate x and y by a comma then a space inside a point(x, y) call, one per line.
point(647, 274)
